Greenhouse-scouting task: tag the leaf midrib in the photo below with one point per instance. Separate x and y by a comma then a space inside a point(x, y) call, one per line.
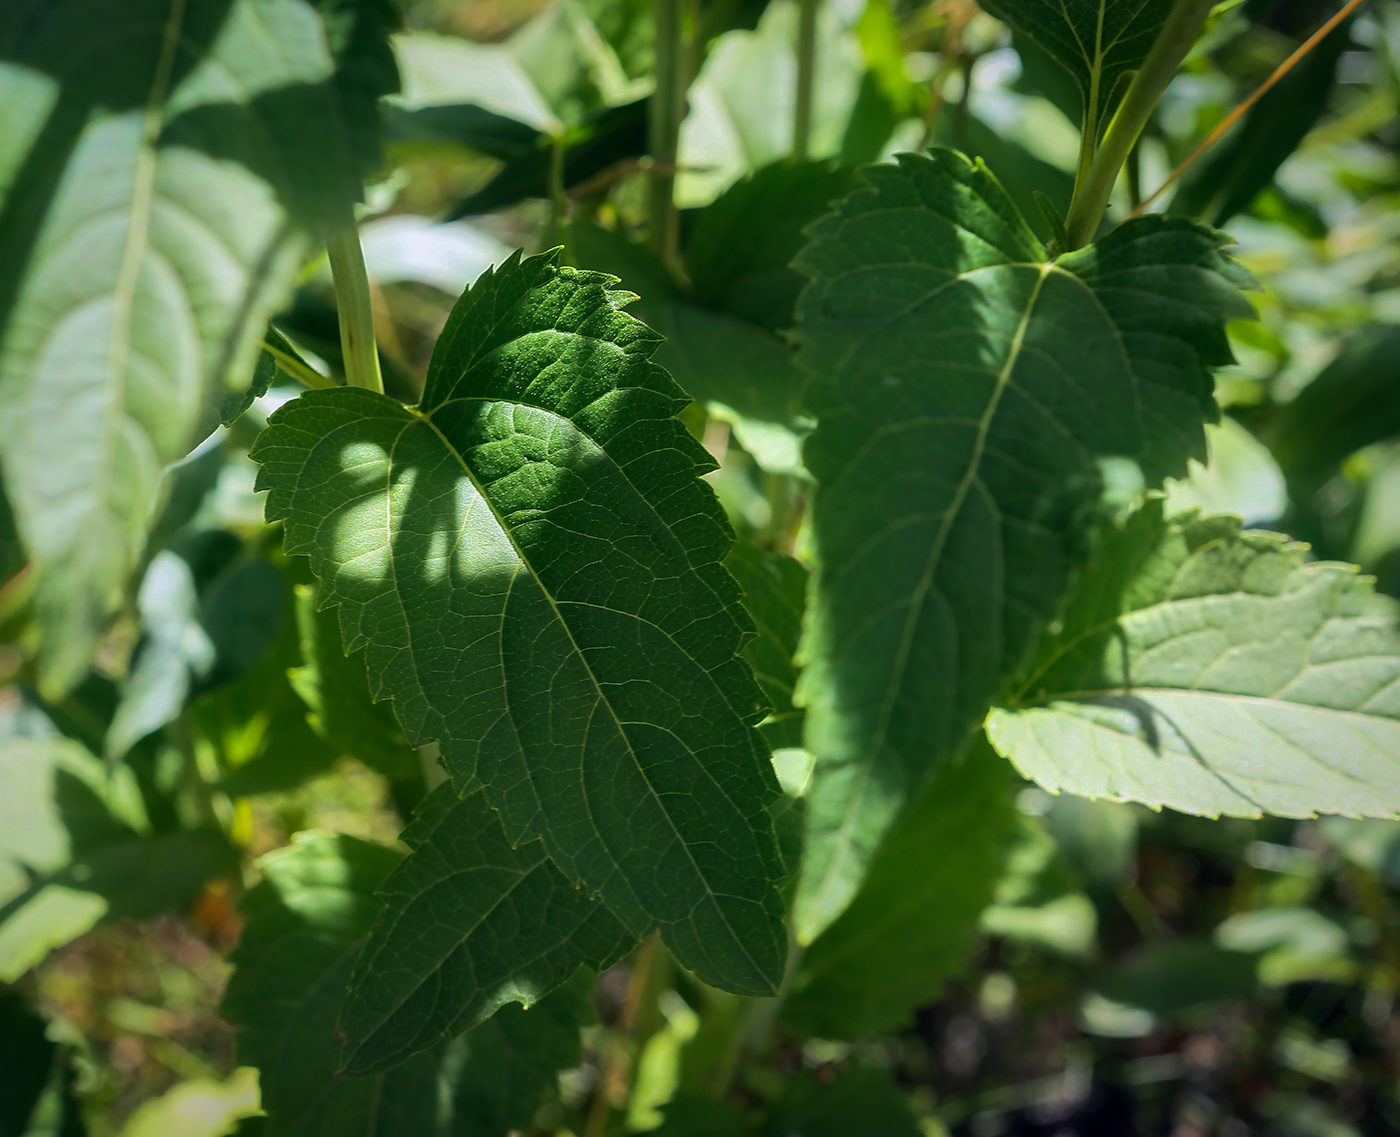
point(866, 761)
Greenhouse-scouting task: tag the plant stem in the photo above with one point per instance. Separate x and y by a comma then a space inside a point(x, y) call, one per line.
point(352, 300)
point(664, 126)
point(1177, 37)
point(806, 78)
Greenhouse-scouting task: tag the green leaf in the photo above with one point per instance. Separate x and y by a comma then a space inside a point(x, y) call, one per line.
point(1352, 403)
point(510, 1064)
point(1214, 671)
point(1234, 172)
point(863, 1101)
point(915, 919)
point(535, 571)
point(1099, 42)
point(157, 173)
point(27, 1057)
point(1176, 974)
point(605, 138)
point(72, 853)
point(742, 245)
point(334, 686)
point(470, 924)
point(306, 922)
point(968, 394)
point(466, 124)
point(198, 1107)
point(742, 373)
point(775, 594)
point(264, 375)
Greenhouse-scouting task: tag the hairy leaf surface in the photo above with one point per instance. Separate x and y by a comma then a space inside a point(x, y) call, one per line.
point(1214, 671)
point(967, 393)
point(470, 924)
point(536, 573)
point(1097, 41)
point(157, 177)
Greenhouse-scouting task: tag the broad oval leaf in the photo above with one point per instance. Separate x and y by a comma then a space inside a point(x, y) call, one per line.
point(537, 575)
point(1214, 671)
point(470, 924)
point(967, 392)
point(162, 160)
point(1097, 41)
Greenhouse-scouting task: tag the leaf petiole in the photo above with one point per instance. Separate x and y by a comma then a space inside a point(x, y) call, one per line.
point(352, 299)
point(1177, 37)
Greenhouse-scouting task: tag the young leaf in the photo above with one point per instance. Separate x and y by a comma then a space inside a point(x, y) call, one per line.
point(1097, 41)
point(156, 169)
point(775, 593)
point(967, 393)
point(535, 571)
point(470, 924)
point(862, 1101)
point(915, 919)
point(1214, 671)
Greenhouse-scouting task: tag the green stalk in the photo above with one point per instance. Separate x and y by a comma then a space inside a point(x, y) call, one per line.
point(353, 302)
point(1178, 36)
point(806, 78)
point(664, 126)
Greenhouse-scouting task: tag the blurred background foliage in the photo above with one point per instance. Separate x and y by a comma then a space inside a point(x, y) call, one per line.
point(1133, 973)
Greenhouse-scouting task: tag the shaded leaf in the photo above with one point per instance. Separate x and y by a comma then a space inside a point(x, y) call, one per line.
point(914, 920)
point(466, 124)
point(333, 685)
point(968, 394)
point(1176, 974)
point(71, 852)
point(305, 923)
point(862, 1101)
point(740, 249)
point(27, 1057)
point(1099, 42)
point(1214, 671)
point(141, 263)
point(1244, 163)
point(775, 593)
point(536, 573)
point(605, 138)
point(264, 375)
point(470, 924)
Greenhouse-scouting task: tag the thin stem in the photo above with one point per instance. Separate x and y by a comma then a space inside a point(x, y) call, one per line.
point(352, 299)
point(1240, 111)
point(297, 369)
point(1178, 36)
point(806, 78)
point(664, 126)
point(613, 1071)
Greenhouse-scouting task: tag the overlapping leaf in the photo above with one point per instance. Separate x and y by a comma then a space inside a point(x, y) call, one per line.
point(1215, 671)
point(470, 924)
point(140, 262)
point(1097, 41)
point(968, 393)
point(535, 572)
point(915, 920)
point(306, 923)
point(775, 593)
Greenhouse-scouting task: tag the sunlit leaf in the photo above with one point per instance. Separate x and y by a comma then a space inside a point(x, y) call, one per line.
point(1215, 671)
point(535, 571)
point(968, 394)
